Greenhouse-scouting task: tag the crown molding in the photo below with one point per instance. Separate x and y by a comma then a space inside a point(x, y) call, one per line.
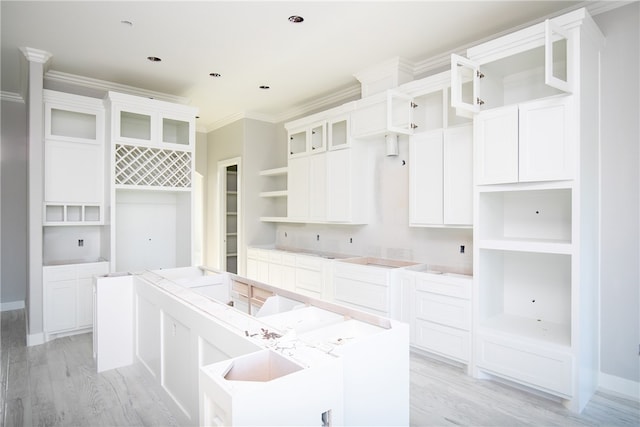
point(35, 55)
point(11, 97)
point(53, 76)
point(330, 100)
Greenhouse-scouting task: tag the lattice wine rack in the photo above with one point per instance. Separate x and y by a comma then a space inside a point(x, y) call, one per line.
point(153, 167)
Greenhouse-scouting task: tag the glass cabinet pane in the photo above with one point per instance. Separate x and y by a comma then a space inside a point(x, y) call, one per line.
point(133, 125)
point(557, 55)
point(339, 134)
point(464, 84)
point(317, 138)
point(297, 142)
point(73, 124)
point(175, 131)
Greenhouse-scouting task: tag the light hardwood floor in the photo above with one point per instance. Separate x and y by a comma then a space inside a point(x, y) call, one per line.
point(55, 384)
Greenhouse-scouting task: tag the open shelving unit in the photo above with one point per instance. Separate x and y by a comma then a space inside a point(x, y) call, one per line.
point(275, 194)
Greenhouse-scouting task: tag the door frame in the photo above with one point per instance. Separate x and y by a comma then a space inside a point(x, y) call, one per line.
point(222, 204)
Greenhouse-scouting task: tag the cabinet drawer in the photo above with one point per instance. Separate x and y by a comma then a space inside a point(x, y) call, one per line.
point(310, 280)
point(56, 274)
point(241, 288)
point(538, 367)
point(288, 259)
point(274, 257)
point(445, 285)
point(309, 263)
point(444, 310)
point(362, 294)
point(90, 270)
point(373, 275)
point(449, 342)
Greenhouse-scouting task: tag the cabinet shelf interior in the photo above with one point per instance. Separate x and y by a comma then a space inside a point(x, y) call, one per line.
point(536, 215)
point(535, 287)
point(133, 125)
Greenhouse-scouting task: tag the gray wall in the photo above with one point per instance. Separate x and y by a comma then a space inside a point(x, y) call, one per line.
point(14, 202)
point(620, 192)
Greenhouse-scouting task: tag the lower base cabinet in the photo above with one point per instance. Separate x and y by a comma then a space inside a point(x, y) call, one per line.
point(438, 309)
point(68, 297)
point(546, 369)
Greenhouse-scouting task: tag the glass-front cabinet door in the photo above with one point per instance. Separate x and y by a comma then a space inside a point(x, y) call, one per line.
point(557, 59)
point(465, 84)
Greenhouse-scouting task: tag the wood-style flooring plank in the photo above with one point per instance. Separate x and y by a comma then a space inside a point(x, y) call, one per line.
point(56, 384)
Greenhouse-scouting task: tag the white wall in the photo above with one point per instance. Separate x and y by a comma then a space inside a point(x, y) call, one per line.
point(14, 203)
point(388, 234)
point(620, 194)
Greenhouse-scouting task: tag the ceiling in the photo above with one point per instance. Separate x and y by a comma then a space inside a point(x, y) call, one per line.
point(248, 43)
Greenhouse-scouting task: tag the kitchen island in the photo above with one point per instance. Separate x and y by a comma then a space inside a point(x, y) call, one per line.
point(233, 351)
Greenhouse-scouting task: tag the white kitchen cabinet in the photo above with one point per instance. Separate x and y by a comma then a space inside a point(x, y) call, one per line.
point(532, 63)
point(308, 140)
point(152, 152)
point(68, 297)
point(329, 187)
point(258, 264)
point(298, 188)
point(339, 132)
point(528, 142)
point(536, 198)
point(74, 159)
point(389, 112)
point(178, 373)
point(369, 284)
point(440, 314)
point(310, 275)
point(441, 178)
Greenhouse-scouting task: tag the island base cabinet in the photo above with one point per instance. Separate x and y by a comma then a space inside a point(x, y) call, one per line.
point(545, 369)
point(263, 388)
point(443, 340)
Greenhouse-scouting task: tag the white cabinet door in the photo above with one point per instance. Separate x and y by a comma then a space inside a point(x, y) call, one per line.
point(458, 175)
point(179, 366)
point(339, 186)
point(547, 147)
point(298, 188)
point(85, 302)
point(73, 172)
point(317, 187)
point(426, 178)
point(61, 305)
point(496, 145)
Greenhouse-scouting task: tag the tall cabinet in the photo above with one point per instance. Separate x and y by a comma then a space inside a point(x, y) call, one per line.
point(534, 98)
point(151, 175)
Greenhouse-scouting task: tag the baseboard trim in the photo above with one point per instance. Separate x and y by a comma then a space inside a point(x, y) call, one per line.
point(35, 339)
point(13, 305)
point(620, 386)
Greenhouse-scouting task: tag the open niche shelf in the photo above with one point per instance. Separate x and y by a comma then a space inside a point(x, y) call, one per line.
point(532, 220)
point(275, 194)
point(526, 294)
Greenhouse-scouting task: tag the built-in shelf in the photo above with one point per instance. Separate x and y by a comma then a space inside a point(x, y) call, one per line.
point(529, 328)
point(279, 193)
point(528, 245)
point(274, 171)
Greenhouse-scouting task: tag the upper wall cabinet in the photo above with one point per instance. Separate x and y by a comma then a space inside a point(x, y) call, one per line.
point(151, 122)
point(73, 159)
point(153, 142)
point(533, 63)
point(309, 139)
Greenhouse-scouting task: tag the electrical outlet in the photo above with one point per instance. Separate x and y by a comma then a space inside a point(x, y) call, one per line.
point(317, 237)
point(461, 249)
point(80, 243)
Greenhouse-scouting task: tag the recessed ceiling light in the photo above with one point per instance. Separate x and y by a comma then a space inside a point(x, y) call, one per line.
point(154, 59)
point(264, 87)
point(296, 19)
point(215, 74)
point(127, 23)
